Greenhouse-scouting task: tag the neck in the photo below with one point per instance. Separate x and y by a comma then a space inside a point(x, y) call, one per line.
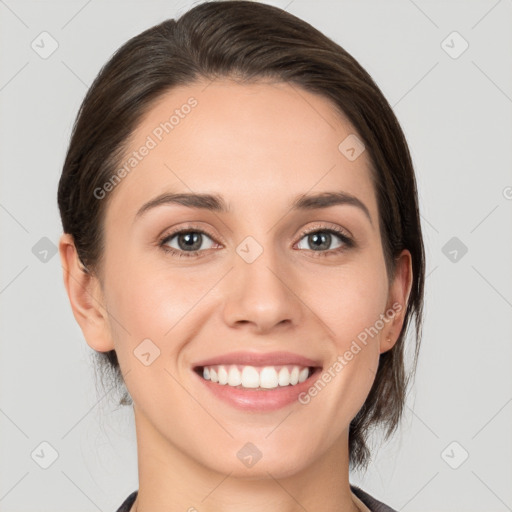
point(171, 480)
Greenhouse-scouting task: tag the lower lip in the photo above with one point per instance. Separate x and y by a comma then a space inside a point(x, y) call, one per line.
point(260, 400)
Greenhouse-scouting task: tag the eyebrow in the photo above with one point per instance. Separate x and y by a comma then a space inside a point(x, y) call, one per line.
point(216, 203)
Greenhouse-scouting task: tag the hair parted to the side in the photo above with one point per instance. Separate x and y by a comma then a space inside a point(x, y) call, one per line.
point(250, 41)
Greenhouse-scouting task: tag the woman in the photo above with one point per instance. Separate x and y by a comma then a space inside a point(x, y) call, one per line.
point(242, 247)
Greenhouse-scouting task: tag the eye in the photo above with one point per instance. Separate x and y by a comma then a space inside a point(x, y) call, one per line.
point(320, 240)
point(190, 242)
point(186, 242)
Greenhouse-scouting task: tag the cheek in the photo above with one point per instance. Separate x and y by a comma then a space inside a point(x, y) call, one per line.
point(349, 303)
point(158, 304)
point(348, 300)
point(152, 320)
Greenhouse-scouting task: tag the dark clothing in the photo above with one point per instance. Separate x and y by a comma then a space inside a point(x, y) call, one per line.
point(369, 501)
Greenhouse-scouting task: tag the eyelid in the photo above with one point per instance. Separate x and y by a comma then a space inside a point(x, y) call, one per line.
point(326, 226)
point(170, 232)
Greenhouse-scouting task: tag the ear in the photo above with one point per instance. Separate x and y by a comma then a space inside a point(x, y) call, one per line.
point(86, 297)
point(397, 301)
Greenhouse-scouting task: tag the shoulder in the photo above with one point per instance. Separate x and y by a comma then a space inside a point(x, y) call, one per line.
point(128, 502)
point(373, 504)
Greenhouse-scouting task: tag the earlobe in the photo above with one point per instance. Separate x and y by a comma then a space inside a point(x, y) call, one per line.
point(85, 297)
point(387, 344)
point(398, 300)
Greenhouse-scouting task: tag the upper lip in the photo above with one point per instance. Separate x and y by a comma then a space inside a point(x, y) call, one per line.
point(259, 359)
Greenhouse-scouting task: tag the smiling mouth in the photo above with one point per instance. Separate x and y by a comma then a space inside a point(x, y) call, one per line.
point(256, 378)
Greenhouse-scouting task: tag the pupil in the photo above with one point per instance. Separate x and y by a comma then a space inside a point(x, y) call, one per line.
point(191, 241)
point(324, 238)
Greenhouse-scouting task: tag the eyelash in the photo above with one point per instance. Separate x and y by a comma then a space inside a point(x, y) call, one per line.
point(348, 242)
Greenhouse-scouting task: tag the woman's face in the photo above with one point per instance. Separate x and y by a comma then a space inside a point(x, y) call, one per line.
point(245, 278)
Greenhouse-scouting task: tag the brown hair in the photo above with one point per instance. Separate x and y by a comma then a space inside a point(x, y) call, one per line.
point(249, 41)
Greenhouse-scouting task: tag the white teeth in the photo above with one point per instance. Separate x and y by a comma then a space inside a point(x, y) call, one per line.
point(234, 377)
point(303, 375)
point(250, 377)
point(284, 377)
point(267, 377)
point(223, 375)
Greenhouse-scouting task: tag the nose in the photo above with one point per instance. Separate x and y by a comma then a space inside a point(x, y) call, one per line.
point(262, 293)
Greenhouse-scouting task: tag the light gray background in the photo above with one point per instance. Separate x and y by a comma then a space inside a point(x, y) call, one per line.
point(456, 115)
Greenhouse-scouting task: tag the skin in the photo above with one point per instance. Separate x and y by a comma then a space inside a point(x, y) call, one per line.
point(259, 145)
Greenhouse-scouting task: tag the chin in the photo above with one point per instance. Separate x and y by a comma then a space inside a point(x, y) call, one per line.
point(251, 463)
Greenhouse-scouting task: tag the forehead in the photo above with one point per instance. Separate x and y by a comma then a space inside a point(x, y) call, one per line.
point(256, 144)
